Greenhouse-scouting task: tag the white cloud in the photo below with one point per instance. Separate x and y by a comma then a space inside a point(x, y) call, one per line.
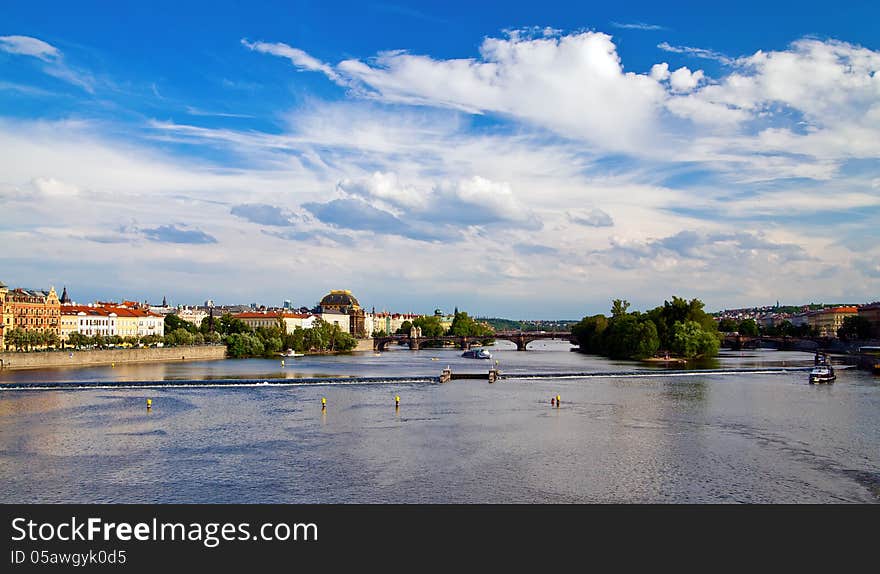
point(28, 46)
point(683, 80)
point(696, 52)
point(660, 72)
point(297, 57)
point(572, 84)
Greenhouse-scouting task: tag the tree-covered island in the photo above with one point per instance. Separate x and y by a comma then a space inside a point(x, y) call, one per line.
point(679, 328)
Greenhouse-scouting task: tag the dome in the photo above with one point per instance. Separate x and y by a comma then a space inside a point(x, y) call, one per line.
point(339, 299)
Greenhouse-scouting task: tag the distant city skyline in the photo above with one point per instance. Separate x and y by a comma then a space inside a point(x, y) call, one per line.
point(534, 162)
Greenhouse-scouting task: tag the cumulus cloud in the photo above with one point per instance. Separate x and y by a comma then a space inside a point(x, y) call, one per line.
point(28, 46)
point(573, 84)
point(683, 80)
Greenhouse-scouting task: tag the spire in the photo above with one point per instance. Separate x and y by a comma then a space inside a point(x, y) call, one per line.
point(65, 298)
point(164, 301)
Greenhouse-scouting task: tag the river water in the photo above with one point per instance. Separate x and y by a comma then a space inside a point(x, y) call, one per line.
point(697, 437)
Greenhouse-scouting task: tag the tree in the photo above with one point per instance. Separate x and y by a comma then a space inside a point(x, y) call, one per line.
point(748, 328)
point(690, 340)
point(228, 325)
point(429, 325)
point(463, 325)
point(727, 325)
point(588, 333)
point(173, 323)
point(619, 307)
point(855, 327)
point(404, 328)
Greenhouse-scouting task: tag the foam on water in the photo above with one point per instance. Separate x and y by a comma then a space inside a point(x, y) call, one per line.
point(230, 383)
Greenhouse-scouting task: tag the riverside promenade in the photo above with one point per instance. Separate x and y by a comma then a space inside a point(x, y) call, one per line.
point(80, 358)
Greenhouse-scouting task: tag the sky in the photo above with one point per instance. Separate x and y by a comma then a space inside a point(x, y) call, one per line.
point(524, 160)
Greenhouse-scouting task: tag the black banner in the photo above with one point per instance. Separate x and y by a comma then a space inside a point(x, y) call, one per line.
point(263, 537)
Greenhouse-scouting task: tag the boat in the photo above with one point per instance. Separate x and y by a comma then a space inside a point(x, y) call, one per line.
point(292, 353)
point(822, 374)
point(822, 371)
point(476, 354)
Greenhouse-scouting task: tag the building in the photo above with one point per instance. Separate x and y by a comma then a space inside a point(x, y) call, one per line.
point(389, 323)
point(5, 315)
point(826, 322)
point(34, 310)
point(289, 321)
point(339, 302)
point(108, 321)
point(342, 320)
point(192, 315)
point(871, 312)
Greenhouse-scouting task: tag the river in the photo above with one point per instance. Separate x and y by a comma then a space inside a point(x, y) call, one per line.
point(675, 438)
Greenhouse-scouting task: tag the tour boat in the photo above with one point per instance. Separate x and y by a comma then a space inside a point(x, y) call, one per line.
point(822, 374)
point(476, 354)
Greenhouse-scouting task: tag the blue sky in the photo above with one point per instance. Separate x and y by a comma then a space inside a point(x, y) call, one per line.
point(524, 160)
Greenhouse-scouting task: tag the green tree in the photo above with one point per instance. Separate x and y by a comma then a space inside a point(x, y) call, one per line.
point(173, 323)
point(464, 325)
point(588, 333)
point(228, 325)
point(748, 328)
point(429, 325)
point(727, 325)
point(855, 327)
point(404, 328)
point(690, 340)
point(619, 307)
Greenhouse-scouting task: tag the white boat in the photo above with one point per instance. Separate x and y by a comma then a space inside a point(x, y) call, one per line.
point(822, 371)
point(292, 353)
point(476, 354)
point(822, 374)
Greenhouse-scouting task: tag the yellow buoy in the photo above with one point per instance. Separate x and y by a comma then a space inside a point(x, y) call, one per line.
point(149, 403)
point(323, 402)
point(396, 401)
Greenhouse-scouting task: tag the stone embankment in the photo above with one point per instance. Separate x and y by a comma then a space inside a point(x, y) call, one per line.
point(74, 358)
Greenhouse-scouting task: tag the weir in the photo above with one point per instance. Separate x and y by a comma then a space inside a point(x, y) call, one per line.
point(447, 375)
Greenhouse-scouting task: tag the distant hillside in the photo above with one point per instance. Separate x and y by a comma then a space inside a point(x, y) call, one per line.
point(500, 324)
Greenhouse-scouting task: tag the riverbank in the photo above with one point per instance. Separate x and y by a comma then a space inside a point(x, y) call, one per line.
point(75, 358)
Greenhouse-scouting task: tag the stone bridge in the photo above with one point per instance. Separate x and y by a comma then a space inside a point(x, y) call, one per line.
point(520, 338)
point(739, 342)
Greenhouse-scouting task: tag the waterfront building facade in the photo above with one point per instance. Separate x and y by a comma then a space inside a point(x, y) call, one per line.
point(34, 310)
point(193, 315)
point(826, 322)
point(339, 302)
point(5, 315)
point(389, 323)
point(107, 321)
point(287, 321)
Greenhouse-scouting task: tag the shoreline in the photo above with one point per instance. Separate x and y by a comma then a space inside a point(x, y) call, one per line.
point(92, 358)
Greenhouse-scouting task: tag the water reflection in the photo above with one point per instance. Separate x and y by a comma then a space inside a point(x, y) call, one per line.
point(712, 438)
